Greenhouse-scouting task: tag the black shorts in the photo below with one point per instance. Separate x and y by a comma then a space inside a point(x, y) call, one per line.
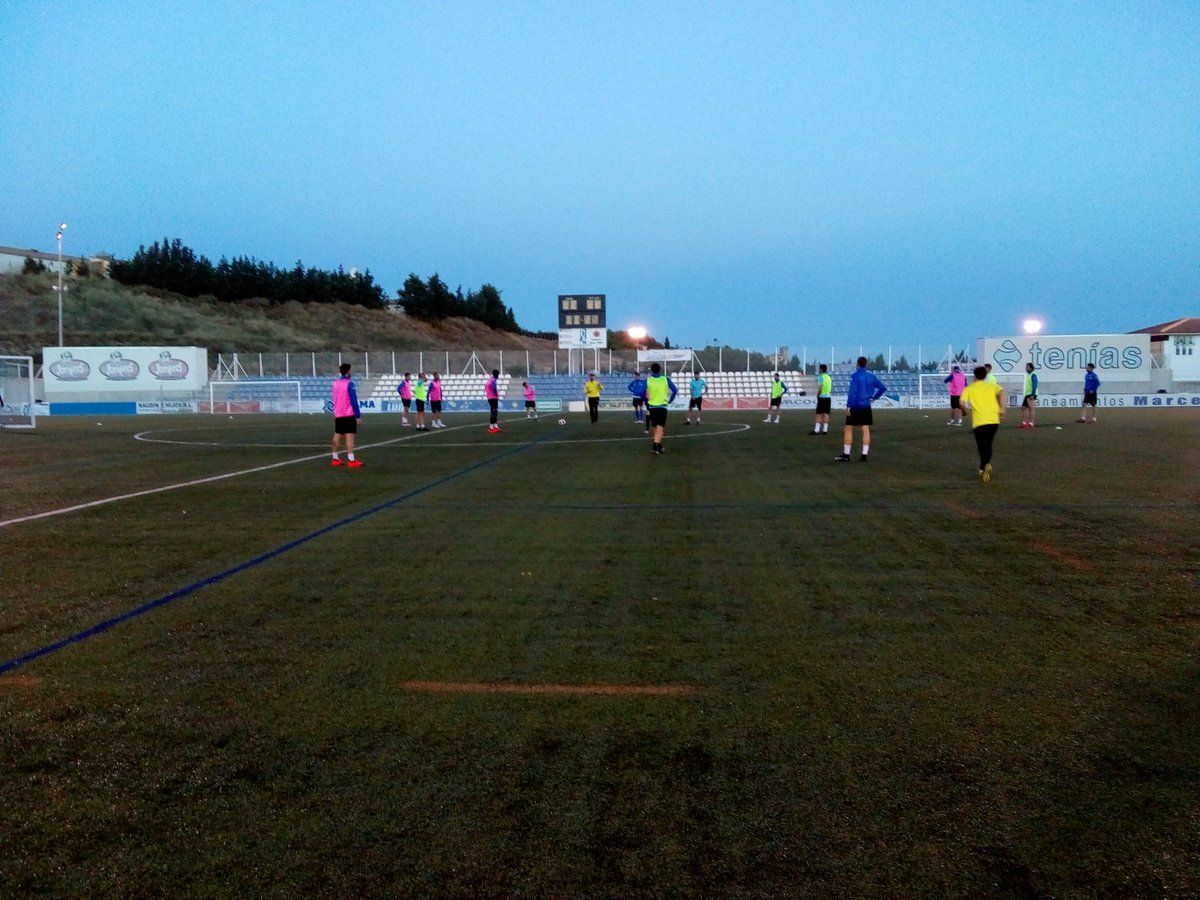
point(637, 402)
point(345, 425)
point(775, 401)
point(407, 401)
point(824, 404)
point(657, 415)
point(1029, 397)
point(696, 403)
point(531, 404)
point(955, 402)
point(435, 406)
point(1089, 399)
point(860, 416)
point(421, 406)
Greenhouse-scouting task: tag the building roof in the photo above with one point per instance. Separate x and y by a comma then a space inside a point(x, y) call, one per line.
point(48, 257)
point(1187, 325)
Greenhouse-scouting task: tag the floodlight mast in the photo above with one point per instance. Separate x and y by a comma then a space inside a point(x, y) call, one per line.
point(61, 229)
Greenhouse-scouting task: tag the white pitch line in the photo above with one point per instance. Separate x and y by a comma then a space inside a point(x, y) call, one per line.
point(211, 478)
point(740, 427)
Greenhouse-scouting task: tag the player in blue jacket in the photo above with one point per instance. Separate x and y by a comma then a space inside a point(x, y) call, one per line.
point(637, 387)
point(1091, 384)
point(865, 388)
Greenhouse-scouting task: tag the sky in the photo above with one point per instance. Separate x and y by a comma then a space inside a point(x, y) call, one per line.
point(759, 174)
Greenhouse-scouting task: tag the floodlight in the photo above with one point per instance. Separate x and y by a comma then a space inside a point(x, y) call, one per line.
point(1032, 326)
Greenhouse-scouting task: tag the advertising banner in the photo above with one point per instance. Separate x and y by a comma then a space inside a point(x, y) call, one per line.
point(582, 338)
point(1064, 357)
point(134, 370)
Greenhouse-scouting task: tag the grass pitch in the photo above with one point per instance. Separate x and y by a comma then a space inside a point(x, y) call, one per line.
point(548, 663)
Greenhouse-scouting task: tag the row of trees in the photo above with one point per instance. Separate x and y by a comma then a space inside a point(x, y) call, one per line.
point(175, 267)
point(172, 266)
point(433, 299)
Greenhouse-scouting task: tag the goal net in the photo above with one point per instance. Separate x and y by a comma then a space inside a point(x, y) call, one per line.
point(16, 392)
point(248, 397)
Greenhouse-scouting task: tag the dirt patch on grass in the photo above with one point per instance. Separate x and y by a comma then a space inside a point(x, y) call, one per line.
point(18, 681)
point(590, 690)
point(1063, 556)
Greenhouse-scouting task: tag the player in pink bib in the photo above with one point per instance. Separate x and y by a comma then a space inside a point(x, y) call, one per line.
point(435, 401)
point(530, 402)
point(406, 397)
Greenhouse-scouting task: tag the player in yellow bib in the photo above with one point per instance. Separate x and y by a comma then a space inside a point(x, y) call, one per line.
point(987, 401)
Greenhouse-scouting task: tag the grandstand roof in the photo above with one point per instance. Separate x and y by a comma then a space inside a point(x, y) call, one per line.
point(1187, 325)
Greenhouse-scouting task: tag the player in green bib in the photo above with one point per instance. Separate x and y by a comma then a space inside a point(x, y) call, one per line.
point(824, 400)
point(421, 394)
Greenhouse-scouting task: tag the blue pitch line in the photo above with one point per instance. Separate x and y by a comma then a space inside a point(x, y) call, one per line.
point(139, 611)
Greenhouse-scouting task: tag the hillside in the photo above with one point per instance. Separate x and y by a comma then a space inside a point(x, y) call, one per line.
point(102, 312)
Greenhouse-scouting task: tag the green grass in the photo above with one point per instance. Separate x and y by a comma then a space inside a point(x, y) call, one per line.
point(907, 683)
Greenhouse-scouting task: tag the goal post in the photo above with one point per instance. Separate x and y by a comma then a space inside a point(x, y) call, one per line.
point(250, 397)
point(934, 393)
point(17, 408)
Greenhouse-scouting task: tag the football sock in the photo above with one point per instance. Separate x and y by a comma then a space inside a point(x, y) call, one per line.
point(350, 456)
point(846, 448)
point(866, 449)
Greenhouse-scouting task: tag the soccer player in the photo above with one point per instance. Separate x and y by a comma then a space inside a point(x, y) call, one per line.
point(1091, 384)
point(778, 389)
point(660, 393)
point(958, 383)
point(405, 391)
point(991, 379)
point(592, 389)
point(491, 390)
point(1029, 404)
point(824, 401)
point(637, 387)
point(435, 401)
point(346, 414)
point(420, 394)
point(530, 402)
point(699, 389)
point(987, 402)
point(865, 388)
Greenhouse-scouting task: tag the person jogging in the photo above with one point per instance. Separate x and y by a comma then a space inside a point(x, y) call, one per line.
point(530, 401)
point(491, 390)
point(420, 395)
point(405, 390)
point(699, 388)
point(865, 388)
point(958, 383)
point(591, 390)
point(1029, 403)
point(637, 387)
point(660, 393)
point(778, 389)
point(435, 401)
point(824, 401)
point(1091, 386)
point(987, 402)
point(346, 415)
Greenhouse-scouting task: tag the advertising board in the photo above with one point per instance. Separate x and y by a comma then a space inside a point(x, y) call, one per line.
point(133, 370)
point(1064, 357)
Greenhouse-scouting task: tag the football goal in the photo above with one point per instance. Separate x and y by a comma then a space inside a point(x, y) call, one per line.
point(934, 393)
point(249, 397)
point(16, 392)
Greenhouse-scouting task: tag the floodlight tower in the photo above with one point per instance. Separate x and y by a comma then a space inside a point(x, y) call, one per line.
point(61, 228)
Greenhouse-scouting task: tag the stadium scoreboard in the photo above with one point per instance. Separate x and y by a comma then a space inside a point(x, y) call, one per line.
point(582, 321)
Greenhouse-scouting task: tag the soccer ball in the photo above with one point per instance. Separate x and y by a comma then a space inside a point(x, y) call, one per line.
point(562, 421)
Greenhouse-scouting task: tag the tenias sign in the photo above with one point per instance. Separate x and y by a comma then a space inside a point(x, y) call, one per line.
point(135, 371)
point(1065, 357)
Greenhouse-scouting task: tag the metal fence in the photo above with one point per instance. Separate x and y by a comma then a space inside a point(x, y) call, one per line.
point(233, 366)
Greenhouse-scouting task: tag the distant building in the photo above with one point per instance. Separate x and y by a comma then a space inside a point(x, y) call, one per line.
point(1173, 346)
point(12, 259)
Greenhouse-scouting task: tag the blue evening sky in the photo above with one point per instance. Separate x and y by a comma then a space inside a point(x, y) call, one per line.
point(764, 173)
